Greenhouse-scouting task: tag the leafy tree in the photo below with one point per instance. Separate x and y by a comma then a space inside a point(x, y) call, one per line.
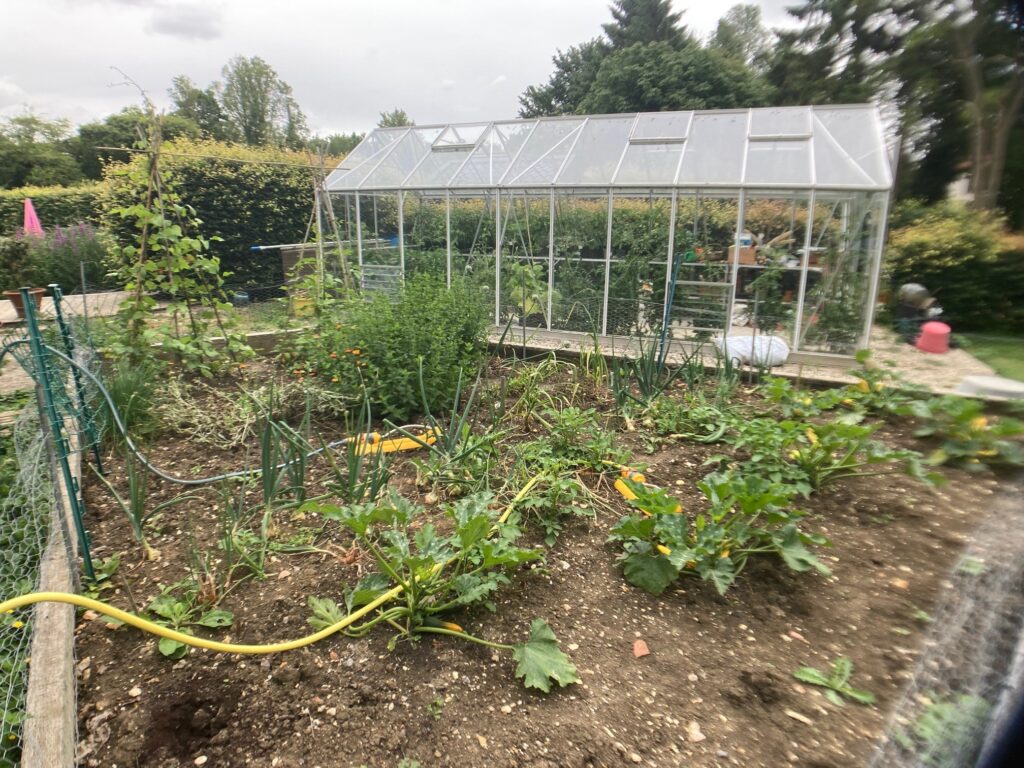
point(396, 118)
point(987, 40)
point(260, 105)
point(741, 35)
point(575, 72)
point(832, 58)
point(654, 77)
point(36, 151)
point(644, 21)
point(123, 129)
point(202, 107)
point(337, 143)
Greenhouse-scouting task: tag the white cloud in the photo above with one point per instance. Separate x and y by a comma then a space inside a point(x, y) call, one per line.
point(191, 22)
point(497, 81)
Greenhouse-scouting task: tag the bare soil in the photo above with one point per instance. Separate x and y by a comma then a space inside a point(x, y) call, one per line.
point(717, 688)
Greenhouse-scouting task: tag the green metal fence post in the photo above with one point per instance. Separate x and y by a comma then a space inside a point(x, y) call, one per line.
point(61, 446)
point(85, 416)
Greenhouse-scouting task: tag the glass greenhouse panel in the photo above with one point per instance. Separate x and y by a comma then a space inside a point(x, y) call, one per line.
point(704, 235)
point(780, 121)
point(834, 167)
point(662, 126)
point(778, 162)
point(542, 155)
point(370, 150)
point(846, 239)
point(768, 286)
point(714, 150)
point(596, 153)
point(525, 285)
point(650, 164)
point(493, 155)
point(857, 132)
point(424, 232)
point(472, 243)
point(639, 259)
point(400, 161)
point(580, 246)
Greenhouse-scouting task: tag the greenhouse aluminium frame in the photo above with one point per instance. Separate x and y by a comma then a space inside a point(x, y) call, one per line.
point(700, 223)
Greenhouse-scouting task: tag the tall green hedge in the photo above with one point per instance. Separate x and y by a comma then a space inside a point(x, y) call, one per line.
point(243, 203)
point(56, 206)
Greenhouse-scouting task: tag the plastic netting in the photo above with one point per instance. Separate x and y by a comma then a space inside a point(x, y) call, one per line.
point(25, 513)
point(969, 677)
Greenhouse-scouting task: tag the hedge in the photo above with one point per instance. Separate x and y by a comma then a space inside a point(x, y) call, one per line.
point(964, 258)
point(56, 206)
point(243, 203)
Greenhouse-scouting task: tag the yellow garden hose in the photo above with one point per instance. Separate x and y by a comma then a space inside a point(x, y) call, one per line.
point(214, 645)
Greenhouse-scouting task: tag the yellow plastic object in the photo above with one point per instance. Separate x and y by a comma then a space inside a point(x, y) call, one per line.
point(373, 442)
point(624, 489)
point(214, 645)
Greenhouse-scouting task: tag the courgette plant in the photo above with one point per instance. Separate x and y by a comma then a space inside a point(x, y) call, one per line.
point(440, 573)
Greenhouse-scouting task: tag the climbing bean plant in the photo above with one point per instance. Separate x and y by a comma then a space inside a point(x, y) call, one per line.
point(168, 257)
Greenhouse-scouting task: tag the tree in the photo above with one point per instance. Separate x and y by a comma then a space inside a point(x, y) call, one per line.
point(741, 35)
point(396, 118)
point(34, 150)
point(655, 77)
point(575, 72)
point(644, 21)
point(201, 106)
point(987, 39)
point(337, 143)
point(260, 105)
point(123, 129)
point(835, 56)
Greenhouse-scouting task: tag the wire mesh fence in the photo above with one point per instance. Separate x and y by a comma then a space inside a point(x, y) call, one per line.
point(968, 680)
point(25, 509)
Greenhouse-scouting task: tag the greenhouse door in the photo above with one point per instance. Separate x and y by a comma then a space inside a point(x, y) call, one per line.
point(699, 283)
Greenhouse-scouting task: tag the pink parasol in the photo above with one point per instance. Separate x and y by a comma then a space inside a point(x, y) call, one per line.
point(32, 225)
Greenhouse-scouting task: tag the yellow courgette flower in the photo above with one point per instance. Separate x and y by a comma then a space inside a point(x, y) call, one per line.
point(863, 386)
point(812, 437)
point(664, 550)
point(979, 423)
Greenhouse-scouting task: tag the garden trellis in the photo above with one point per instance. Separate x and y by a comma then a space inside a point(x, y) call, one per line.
point(620, 225)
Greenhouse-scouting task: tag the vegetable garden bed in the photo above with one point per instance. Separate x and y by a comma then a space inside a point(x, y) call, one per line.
point(695, 675)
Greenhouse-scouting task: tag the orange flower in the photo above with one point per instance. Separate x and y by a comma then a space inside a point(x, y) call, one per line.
point(334, 355)
point(355, 351)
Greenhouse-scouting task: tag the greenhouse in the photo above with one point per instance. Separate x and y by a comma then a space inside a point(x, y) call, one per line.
point(692, 225)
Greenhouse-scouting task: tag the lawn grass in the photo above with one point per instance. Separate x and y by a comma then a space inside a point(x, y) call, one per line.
point(1004, 353)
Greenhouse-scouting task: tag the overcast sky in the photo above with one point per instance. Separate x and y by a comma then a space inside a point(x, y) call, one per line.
point(347, 60)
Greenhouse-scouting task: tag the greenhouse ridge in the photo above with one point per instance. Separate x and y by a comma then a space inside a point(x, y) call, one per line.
point(824, 147)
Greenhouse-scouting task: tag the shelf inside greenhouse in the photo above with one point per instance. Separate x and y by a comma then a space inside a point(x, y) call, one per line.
point(687, 225)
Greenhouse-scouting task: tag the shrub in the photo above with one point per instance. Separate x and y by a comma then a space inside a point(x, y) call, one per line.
point(56, 257)
point(376, 346)
point(955, 252)
point(237, 196)
point(56, 206)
